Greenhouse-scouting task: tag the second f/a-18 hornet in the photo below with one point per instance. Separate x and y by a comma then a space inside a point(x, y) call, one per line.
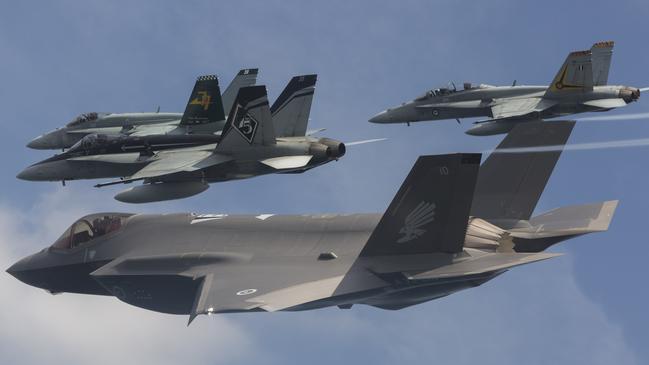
point(581, 85)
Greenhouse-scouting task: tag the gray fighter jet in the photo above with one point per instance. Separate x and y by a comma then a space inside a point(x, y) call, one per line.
point(251, 144)
point(579, 86)
point(144, 124)
point(451, 226)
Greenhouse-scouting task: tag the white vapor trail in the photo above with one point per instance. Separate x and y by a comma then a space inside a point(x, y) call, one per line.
point(602, 118)
point(365, 141)
point(640, 142)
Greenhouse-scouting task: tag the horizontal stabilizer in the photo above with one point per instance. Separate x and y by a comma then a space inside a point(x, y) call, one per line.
point(491, 262)
point(606, 103)
point(287, 162)
point(569, 221)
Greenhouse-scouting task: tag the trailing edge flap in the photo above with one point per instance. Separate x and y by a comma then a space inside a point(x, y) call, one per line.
point(249, 122)
point(490, 262)
point(287, 162)
point(430, 212)
point(568, 221)
point(606, 103)
point(508, 108)
point(245, 77)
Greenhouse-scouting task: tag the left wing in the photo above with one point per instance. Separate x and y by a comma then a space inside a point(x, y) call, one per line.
point(231, 282)
point(174, 161)
point(509, 108)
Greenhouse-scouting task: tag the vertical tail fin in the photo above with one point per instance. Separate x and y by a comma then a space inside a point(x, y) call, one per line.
point(245, 77)
point(431, 209)
point(576, 74)
point(249, 121)
point(510, 184)
point(292, 108)
point(204, 105)
point(602, 52)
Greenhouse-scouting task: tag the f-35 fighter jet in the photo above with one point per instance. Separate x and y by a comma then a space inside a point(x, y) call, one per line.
point(204, 95)
point(251, 144)
point(452, 225)
point(579, 86)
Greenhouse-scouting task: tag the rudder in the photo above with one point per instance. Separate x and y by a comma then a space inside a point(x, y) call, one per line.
point(204, 105)
point(292, 108)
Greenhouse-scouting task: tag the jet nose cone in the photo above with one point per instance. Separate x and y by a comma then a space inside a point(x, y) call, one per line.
point(37, 143)
point(30, 174)
point(382, 117)
point(18, 269)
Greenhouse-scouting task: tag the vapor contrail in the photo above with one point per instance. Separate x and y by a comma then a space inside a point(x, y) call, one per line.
point(603, 118)
point(641, 142)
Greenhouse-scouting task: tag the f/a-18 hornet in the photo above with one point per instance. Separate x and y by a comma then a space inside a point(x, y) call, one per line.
point(254, 142)
point(151, 123)
point(579, 86)
point(452, 225)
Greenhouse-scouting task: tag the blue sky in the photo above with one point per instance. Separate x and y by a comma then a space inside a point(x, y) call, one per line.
point(62, 58)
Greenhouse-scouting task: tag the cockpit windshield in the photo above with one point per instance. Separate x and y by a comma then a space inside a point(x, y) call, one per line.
point(442, 91)
point(90, 227)
point(84, 118)
point(90, 141)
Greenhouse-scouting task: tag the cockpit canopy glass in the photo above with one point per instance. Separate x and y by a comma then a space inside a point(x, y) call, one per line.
point(89, 228)
point(436, 92)
point(84, 118)
point(91, 141)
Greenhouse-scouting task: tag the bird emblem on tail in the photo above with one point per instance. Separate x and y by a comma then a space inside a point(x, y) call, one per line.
point(423, 214)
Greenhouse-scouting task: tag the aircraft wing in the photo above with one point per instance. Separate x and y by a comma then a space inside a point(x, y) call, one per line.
point(147, 130)
point(509, 108)
point(174, 161)
point(231, 282)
